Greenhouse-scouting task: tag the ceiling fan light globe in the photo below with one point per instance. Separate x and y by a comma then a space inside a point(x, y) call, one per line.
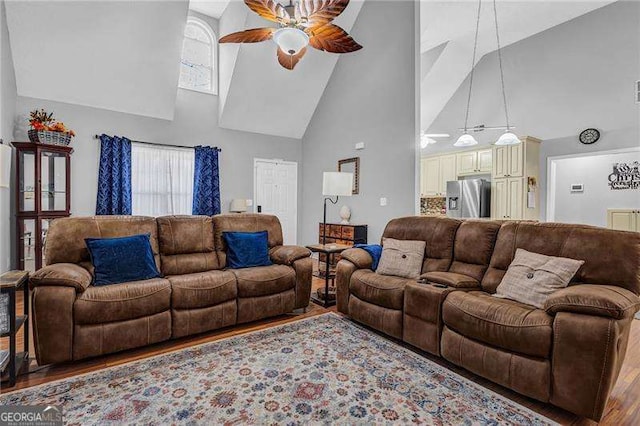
point(291, 40)
point(508, 138)
point(466, 140)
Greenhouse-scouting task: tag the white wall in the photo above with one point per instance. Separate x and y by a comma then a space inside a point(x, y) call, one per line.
point(370, 98)
point(7, 114)
point(590, 207)
point(576, 75)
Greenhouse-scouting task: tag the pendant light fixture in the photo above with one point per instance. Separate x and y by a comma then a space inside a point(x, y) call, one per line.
point(507, 138)
point(466, 139)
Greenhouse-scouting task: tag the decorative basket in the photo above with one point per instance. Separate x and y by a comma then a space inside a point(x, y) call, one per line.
point(48, 137)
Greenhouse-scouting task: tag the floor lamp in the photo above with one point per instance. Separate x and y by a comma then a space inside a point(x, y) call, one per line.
point(334, 184)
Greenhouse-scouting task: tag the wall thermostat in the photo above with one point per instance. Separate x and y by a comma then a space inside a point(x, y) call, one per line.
point(577, 187)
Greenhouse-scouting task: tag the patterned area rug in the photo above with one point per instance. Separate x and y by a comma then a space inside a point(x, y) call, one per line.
point(323, 369)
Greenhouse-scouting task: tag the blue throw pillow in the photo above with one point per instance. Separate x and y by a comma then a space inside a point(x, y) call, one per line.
point(375, 250)
point(247, 249)
point(119, 260)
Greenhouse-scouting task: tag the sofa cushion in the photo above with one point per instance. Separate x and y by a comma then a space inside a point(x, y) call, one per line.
point(119, 302)
point(502, 323)
point(247, 249)
point(122, 259)
point(264, 280)
point(532, 277)
point(186, 244)
point(451, 279)
point(202, 289)
point(381, 290)
point(401, 258)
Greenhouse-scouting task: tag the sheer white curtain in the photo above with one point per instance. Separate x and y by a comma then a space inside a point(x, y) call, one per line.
point(161, 180)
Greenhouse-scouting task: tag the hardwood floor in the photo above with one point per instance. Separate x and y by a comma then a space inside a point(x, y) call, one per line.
point(623, 407)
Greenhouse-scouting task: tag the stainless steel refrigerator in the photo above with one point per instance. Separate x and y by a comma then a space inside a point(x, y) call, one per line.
point(469, 198)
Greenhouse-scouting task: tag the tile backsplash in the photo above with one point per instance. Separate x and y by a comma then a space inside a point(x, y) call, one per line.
point(433, 206)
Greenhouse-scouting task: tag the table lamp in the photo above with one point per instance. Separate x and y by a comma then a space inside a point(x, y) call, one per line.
point(238, 205)
point(334, 184)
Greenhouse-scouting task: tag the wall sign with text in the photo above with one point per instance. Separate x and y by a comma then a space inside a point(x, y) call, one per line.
point(625, 176)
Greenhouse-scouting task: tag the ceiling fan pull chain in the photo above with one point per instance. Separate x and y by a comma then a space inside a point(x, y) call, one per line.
point(473, 65)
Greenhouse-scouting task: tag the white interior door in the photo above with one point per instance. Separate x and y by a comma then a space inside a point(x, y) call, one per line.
point(276, 193)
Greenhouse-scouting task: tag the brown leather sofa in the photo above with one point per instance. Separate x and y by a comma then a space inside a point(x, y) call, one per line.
point(568, 354)
point(74, 320)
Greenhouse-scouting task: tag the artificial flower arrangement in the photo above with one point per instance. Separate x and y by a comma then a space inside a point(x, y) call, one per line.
point(45, 129)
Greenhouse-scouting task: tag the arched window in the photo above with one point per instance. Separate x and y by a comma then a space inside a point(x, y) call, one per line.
point(198, 62)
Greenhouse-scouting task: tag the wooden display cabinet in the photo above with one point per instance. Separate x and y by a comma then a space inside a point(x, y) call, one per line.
point(43, 193)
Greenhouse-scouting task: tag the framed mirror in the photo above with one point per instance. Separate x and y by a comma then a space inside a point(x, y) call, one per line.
point(351, 165)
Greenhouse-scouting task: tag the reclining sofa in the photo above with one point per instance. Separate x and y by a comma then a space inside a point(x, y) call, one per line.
point(74, 319)
point(568, 354)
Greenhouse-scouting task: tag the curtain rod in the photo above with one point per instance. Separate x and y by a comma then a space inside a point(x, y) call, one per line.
point(161, 144)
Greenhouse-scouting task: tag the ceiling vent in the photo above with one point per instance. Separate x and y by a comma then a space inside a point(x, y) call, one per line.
point(638, 92)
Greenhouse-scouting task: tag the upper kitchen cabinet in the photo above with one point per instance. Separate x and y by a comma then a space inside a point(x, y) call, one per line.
point(435, 172)
point(474, 162)
point(511, 160)
point(514, 187)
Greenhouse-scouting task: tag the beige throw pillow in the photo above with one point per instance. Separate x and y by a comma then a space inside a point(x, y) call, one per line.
point(401, 258)
point(532, 277)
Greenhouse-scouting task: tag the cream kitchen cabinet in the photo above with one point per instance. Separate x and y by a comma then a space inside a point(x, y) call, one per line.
point(507, 198)
point(514, 187)
point(508, 161)
point(474, 162)
point(435, 172)
point(623, 219)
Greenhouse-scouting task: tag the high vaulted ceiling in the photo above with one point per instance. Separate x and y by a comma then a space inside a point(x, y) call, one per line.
point(103, 54)
point(257, 94)
point(213, 8)
point(447, 33)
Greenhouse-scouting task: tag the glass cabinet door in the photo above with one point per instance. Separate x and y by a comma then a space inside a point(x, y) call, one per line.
point(27, 181)
point(43, 232)
point(53, 181)
point(27, 247)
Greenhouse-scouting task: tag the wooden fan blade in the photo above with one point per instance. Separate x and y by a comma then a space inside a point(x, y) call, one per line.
point(290, 61)
point(319, 11)
point(332, 38)
point(269, 9)
point(249, 36)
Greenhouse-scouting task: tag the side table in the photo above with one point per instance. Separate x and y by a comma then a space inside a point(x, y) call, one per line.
point(11, 366)
point(328, 250)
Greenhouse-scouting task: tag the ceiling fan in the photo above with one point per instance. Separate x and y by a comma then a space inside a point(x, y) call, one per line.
point(307, 22)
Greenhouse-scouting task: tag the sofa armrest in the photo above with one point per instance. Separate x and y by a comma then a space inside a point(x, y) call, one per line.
point(304, 277)
point(359, 257)
point(601, 300)
point(451, 279)
point(62, 274)
point(286, 255)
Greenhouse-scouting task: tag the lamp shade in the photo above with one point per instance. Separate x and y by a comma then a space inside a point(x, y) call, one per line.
point(291, 40)
point(238, 205)
point(466, 140)
point(5, 165)
point(337, 183)
point(508, 138)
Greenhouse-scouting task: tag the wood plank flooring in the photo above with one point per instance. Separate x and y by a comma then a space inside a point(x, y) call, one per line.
point(623, 407)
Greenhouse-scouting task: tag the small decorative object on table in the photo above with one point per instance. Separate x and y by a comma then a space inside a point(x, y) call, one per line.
point(345, 215)
point(46, 130)
point(11, 363)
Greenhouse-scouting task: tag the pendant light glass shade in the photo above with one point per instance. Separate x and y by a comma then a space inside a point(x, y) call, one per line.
point(291, 40)
point(466, 140)
point(508, 138)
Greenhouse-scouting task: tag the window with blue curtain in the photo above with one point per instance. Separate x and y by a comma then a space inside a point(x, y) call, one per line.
point(114, 176)
point(206, 181)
